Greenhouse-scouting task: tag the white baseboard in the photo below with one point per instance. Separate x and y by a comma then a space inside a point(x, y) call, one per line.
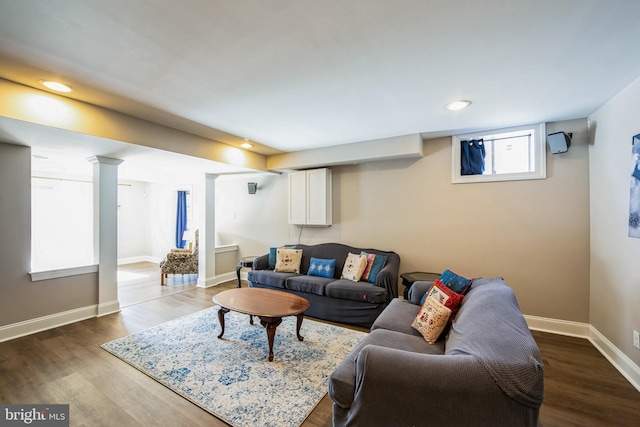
point(44, 323)
point(560, 327)
point(143, 258)
point(214, 281)
point(108, 308)
point(617, 358)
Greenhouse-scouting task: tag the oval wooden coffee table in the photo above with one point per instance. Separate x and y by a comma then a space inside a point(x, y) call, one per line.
point(269, 305)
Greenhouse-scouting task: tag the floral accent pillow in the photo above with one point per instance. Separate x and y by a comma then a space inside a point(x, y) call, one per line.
point(431, 320)
point(444, 296)
point(354, 267)
point(288, 260)
point(322, 267)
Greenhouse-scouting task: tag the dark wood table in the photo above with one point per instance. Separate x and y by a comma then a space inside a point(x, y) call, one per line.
point(268, 305)
point(246, 262)
point(414, 276)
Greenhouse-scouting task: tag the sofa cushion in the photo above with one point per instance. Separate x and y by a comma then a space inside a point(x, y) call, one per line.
point(431, 319)
point(288, 260)
point(356, 291)
point(269, 278)
point(354, 266)
point(342, 381)
point(322, 267)
point(398, 316)
point(308, 284)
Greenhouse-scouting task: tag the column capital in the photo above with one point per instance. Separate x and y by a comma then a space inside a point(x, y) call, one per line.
point(104, 160)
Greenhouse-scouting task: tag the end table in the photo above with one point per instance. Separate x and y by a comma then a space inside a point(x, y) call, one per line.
point(246, 262)
point(415, 276)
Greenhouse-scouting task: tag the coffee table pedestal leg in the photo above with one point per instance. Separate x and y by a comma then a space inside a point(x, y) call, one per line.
point(221, 314)
point(270, 323)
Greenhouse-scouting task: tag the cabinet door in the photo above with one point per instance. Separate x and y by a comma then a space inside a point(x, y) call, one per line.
point(319, 209)
point(297, 198)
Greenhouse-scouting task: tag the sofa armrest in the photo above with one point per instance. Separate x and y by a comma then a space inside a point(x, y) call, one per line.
point(387, 278)
point(417, 291)
point(426, 390)
point(261, 262)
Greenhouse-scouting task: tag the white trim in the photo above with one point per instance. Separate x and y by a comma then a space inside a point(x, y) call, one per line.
point(63, 272)
point(226, 248)
point(215, 281)
point(142, 258)
point(540, 156)
point(32, 326)
point(108, 308)
point(156, 260)
point(560, 327)
point(617, 358)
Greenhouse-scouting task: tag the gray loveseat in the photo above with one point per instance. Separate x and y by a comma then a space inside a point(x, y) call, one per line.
point(486, 371)
point(335, 299)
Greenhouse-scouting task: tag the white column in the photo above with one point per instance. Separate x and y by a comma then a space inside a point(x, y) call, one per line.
point(207, 251)
point(105, 231)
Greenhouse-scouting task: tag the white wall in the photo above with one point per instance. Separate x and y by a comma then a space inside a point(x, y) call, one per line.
point(615, 257)
point(134, 227)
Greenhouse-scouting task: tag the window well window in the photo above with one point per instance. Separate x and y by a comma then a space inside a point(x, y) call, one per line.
point(509, 154)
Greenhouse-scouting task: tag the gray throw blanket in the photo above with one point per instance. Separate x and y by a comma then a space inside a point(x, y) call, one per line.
point(490, 327)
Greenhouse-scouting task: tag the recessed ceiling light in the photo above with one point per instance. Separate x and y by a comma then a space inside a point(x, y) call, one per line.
point(246, 144)
point(458, 105)
point(58, 87)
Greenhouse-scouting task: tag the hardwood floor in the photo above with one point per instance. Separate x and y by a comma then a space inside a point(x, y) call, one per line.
point(139, 282)
point(66, 365)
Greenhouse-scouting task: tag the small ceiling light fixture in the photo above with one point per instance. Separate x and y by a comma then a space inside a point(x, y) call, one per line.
point(58, 87)
point(458, 105)
point(246, 144)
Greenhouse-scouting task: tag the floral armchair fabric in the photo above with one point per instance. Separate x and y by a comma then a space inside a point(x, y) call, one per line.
point(180, 261)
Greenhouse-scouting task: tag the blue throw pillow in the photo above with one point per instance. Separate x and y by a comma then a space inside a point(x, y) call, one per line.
point(322, 267)
point(457, 284)
point(378, 263)
point(273, 254)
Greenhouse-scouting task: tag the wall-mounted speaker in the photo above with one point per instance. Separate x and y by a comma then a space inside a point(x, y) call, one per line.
point(253, 187)
point(559, 142)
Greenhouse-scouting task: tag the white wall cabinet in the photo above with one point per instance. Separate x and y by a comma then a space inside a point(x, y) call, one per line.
point(310, 197)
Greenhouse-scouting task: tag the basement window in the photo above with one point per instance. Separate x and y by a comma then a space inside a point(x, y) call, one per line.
point(509, 154)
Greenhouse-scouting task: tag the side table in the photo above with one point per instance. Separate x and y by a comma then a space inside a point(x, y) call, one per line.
point(246, 262)
point(415, 276)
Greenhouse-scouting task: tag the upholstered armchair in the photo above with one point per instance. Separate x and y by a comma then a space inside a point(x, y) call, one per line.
point(180, 261)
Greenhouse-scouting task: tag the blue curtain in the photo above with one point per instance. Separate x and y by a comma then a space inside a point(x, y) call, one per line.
point(181, 219)
point(472, 157)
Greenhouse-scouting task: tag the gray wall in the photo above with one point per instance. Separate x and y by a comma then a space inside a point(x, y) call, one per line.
point(21, 298)
point(533, 233)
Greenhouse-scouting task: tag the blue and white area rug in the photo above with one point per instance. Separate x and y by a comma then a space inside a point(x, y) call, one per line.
point(232, 377)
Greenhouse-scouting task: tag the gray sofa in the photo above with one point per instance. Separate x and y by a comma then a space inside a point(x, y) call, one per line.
point(485, 371)
point(335, 299)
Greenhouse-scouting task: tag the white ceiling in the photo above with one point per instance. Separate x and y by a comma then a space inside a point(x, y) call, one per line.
point(292, 75)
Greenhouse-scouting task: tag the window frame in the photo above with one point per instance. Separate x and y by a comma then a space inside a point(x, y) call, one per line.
point(540, 156)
